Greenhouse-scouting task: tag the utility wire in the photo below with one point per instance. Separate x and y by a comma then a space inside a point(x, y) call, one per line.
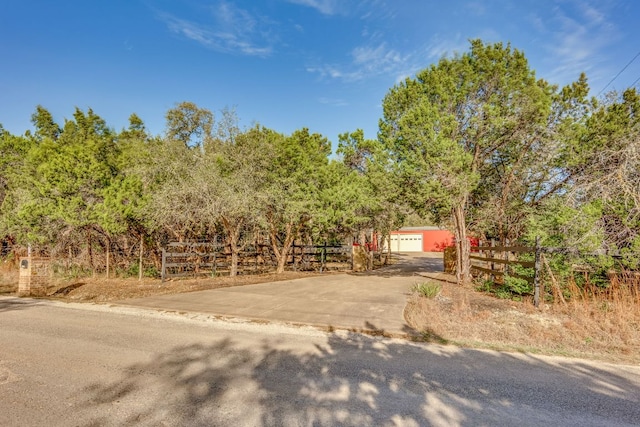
point(618, 75)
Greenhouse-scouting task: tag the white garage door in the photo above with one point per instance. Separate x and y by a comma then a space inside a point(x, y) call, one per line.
point(406, 243)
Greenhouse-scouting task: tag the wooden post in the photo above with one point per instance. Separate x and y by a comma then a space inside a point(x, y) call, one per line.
point(323, 256)
point(506, 257)
point(352, 242)
point(536, 274)
point(140, 260)
point(164, 262)
point(108, 256)
point(90, 254)
point(492, 254)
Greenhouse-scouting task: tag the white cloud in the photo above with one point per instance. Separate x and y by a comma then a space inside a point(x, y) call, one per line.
point(378, 56)
point(231, 30)
point(594, 16)
point(367, 61)
point(326, 7)
point(580, 41)
point(333, 101)
point(364, 9)
point(444, 47)
point(335, 72)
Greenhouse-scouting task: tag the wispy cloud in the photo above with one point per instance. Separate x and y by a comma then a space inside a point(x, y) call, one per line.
point(230, 30)
point(444, 47)
point(580, 40)
point(364, 9)
point(366, 61)
point(336, 102)
point(380, 59)
point(326, 7)
point(334, 71)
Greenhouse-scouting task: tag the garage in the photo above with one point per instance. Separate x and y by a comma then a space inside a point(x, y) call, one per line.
point(420, 239)
point(406, 242)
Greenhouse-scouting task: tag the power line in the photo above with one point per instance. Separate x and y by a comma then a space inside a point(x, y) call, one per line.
point(618, 75)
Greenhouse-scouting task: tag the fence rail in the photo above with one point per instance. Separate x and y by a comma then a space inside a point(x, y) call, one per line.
point(135, 256)
point(495, 260)
point(321, 257)
point(184, 259)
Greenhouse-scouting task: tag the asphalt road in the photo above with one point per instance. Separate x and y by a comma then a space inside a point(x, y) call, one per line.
point(84, 365)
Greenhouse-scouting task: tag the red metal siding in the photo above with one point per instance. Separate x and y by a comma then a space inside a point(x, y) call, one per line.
point(436, 240)
point(432, 240)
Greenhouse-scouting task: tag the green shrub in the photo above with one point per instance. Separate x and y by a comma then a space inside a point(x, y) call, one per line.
point(518, 286)
point(427, 289)
point(134, 268)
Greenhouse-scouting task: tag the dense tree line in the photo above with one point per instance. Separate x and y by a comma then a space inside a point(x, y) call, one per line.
point(480, 141)
point(475, 142)
point(79, 186)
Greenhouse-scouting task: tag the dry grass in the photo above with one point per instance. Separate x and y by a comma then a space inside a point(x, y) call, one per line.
point(100, 289)
point(596, 325)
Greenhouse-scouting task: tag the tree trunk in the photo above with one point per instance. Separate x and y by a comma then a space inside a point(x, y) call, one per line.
point(463, 247)
point(233, 236)
point(233, 271)
point(282, 253)
point(387, 236)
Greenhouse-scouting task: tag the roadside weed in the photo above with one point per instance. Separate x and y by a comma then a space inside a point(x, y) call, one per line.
point(427, 289)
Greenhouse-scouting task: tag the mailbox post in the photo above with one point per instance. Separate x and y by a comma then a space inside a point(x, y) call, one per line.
point(34, 276)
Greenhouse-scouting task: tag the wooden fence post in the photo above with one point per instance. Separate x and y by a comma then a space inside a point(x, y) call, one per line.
point(215, 264)
point(536, 274)
point(492, 254)
point(352, 242)
point(108, 256)
point(141, 255)
point(323, 256)
point(164, 261)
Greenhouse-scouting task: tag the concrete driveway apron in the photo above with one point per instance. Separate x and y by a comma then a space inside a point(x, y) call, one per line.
point(372, 301)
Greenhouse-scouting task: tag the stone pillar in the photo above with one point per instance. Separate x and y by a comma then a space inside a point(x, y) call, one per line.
point(34, 276)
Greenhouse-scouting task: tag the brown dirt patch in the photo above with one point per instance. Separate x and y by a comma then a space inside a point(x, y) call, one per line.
point(105, 290)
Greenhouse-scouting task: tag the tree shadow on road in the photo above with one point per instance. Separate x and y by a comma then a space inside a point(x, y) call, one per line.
point(355, 379)
point(12, 304)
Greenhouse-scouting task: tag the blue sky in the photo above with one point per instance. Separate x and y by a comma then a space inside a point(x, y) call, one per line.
point(286, 64)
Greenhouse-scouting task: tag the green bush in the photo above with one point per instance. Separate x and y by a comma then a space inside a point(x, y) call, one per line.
point(134, 268)
point(427, 289)
point(518, 286)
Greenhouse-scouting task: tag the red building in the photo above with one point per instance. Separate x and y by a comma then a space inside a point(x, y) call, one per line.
point(420, 239)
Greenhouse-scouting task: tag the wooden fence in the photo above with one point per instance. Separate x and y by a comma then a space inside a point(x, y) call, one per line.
point(321, 257)
point(495, 261)
point(181, 259)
